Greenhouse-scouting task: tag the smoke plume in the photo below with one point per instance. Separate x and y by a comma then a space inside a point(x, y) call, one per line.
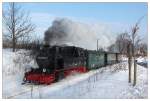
point(67, 32)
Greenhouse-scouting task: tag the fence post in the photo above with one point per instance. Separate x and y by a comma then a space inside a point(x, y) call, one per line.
point(105, 59)
point(31, 91)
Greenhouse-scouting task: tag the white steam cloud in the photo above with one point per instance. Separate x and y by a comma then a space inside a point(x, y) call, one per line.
point(67, 32)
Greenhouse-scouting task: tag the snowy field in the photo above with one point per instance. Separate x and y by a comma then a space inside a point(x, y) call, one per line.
point(108, 82)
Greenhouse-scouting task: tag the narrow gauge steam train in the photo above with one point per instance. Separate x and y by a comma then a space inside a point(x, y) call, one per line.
point(56, 62)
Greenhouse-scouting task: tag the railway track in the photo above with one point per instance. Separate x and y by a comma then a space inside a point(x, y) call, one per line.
point(30, 89)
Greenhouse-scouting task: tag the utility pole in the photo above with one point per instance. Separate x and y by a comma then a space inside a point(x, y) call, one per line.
point(97, 44)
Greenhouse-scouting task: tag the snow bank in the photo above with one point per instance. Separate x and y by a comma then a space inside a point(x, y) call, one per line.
point(141, 89)
point(15, 62)
point(142, 59)
point(107, 82)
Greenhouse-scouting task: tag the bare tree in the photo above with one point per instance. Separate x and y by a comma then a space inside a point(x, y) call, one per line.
point(128, 44)
point(122, 42)
point(112, 48)
point(129, 59)
point(17, 22)
point(124, 45)
point(134, 35)
point(135, 41)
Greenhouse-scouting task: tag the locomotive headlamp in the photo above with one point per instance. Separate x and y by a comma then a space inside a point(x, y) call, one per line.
point(44, 70)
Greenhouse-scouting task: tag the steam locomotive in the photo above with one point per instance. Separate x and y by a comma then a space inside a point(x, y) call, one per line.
point(57, 62)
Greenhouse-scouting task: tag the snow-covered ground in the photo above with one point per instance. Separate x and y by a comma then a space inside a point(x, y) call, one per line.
point(107, 82)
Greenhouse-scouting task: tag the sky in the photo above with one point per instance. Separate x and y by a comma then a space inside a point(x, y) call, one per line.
point(118, 16)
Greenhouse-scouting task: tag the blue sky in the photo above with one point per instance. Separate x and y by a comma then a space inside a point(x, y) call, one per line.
point(114, 14)
point(126, 12)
